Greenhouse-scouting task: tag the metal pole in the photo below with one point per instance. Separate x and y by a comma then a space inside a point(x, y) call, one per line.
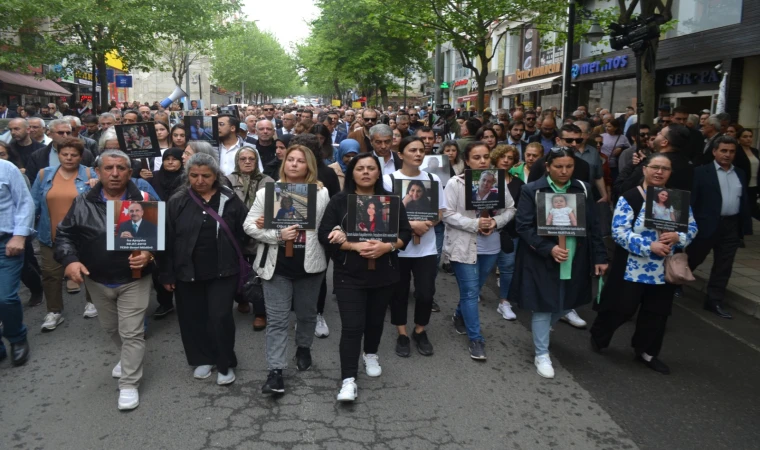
point(187, 80)
point(438, 99)
point(242, 92)
point(567, 72)
point(405, 76)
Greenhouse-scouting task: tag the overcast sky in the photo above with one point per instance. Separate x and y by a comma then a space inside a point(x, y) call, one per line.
point(287, 19)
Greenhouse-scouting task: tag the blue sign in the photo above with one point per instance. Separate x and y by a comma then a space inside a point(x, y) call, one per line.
point(608, 64)
point(109, 75)
point(124, 81)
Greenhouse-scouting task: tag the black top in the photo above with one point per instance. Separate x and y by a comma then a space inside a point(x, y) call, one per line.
point(582, 170)
point(205, 255)
point(292, 267)
point(514, 188)
point(267, 153)
point(328, 178)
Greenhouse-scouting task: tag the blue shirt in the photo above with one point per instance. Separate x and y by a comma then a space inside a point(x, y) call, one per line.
point(730, 190)
point(547, 144)
point(16, 204)
point(53, 160)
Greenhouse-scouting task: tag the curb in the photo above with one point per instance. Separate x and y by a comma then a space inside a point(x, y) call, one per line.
point(739, 301)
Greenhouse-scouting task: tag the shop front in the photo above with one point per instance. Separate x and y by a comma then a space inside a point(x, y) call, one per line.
point(606, 82)
point(492, 86)
point(19, 89)
point(694, 87)
point(461, 93)
point(541, 86)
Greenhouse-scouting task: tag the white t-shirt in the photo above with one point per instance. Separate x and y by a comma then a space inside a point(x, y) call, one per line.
point(426, 247)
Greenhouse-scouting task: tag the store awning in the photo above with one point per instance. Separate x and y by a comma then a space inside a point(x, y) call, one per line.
point(467, 98)
point(530, 86)
point(28, 82)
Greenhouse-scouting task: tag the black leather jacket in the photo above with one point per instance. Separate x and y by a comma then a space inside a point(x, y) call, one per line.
point(81, 237)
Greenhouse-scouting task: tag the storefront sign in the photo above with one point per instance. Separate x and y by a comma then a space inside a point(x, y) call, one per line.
point(460, 83)
point(618, 62)
point(125, 81)
point(539, 71)
point(492, 82)
point(692, 78)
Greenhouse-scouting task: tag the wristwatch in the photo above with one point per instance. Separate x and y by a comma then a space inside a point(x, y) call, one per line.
point(393, 247)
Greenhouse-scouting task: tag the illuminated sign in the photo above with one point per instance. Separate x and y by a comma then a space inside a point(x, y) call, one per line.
point(608, 64)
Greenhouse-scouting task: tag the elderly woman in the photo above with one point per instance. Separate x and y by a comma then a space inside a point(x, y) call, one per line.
point(637, 277)
point(551, 280)
point(347, 149)
point(54, 191)
point(289, 281)
point(201, 265)
point(246, 180)
point(194, 147)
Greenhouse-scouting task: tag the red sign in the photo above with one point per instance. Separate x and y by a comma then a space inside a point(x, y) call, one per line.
point(461, 82)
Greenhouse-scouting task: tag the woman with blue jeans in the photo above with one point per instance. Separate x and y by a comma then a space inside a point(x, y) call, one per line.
point(472, 245)
point(504, 157)
point(550, 280)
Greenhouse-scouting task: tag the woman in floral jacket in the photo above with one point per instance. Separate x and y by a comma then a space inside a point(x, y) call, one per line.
point(637, 277)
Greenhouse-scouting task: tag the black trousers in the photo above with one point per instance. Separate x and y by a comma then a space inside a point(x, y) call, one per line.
point(654, 302)
point(31, 274)
point(204, 310)
point(424, 270)
point(164, 297)
point(752, 193)
point(323, 290)
point(362, 314)
point(724, 244)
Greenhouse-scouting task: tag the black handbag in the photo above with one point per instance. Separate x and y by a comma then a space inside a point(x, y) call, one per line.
point(507, 243)
point(253, 291)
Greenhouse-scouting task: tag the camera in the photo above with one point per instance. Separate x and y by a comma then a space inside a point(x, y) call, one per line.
point(637, 34)
point(444, 111)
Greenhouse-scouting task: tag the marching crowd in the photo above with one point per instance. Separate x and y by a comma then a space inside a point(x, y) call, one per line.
point(56, 177)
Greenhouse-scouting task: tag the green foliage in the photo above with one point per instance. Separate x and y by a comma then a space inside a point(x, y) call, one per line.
point(254, 57)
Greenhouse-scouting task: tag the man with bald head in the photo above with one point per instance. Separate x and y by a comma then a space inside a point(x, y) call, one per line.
point(37, 130)
point(265, 143)
point(21, 141)
point(288, 125)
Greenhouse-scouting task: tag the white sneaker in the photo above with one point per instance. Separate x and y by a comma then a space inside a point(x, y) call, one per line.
point(90, 311)
point(203, 372)
point(372, 365)
point(221, 380)
point(321, 331)
point(52, 320)
point(574, 319)
point(349, 391)
point(116, 372)
point(128, 399)
point(505, 309)
point(544, 366)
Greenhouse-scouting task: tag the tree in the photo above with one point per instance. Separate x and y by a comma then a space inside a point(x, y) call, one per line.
point(469, 25)
point(176, 56)
point(254, 57)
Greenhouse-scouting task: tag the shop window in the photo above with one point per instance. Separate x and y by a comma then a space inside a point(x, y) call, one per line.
point(612, 95)
point(694, 16)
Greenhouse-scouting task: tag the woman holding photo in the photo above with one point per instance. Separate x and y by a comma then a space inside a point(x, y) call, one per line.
point(551, 280)
point(289, 281)
point(637, 277)
point(472, 245)
point(362, 294)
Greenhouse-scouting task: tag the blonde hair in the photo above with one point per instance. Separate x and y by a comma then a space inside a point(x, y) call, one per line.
point(311, 164)
point(502, 149)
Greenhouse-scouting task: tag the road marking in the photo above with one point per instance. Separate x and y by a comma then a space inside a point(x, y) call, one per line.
point(730, 333)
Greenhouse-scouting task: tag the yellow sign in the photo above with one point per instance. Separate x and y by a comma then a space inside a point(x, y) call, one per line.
point(113, 60)
point(336, 103)
point(356, 105)
point(539, 71)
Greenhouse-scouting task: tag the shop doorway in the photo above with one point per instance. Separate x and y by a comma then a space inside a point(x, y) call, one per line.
point(695, 103)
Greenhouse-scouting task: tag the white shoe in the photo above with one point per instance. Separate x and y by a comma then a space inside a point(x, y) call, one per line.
point(203, 372)
point(505, 309)
point(574, 319)
point(90, 311)
point(544, 366)
point(372, 365)
point(321, 331)
point(349, 391)
point(116, 372)
point(128, 399)
point(52, 320)
point(221, 380)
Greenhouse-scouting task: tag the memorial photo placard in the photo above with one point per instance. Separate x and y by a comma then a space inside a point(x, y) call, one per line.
point(667, 209)
point(372, 217)
point(561, 214)
point(420, 198)
point(202, 128)
point(287, 204)
point(135, 225)
point(138, 140)
point(437, 165)
point(485, 189)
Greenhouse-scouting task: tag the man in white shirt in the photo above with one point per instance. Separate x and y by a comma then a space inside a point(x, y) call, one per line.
point(230, 143)
point(288, 125)
point(37, 129)
point(381, 138)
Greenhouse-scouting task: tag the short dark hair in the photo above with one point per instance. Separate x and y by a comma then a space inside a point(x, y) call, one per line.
point(726, 139)
point(680, 110)
point(234, 121)
point(530, 111)
point(570, 128)
point(514, 123)
point(472, 126)
point(423, 130)
point(678, 136)
point(89, 118)
point(408, 140)
point(472, 145)
point(311, 113)
point(131, 111)
point(30, 110)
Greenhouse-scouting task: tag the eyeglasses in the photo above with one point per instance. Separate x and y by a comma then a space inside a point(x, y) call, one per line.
point(63, 133)
point(247, 159)
point(660, 168)
point(414, 115)
point(644, 135)
point(370, 119)
point(268, 109)
point(573, 140)
point(530, 118)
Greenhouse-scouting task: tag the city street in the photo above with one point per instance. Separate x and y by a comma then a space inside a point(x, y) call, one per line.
point(65, 398)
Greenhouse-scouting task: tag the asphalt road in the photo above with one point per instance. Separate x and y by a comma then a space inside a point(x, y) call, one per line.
point(65, 398)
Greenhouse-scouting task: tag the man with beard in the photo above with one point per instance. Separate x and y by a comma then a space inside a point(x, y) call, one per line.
point(514, 138)
point(22, 142)
point(548, 136)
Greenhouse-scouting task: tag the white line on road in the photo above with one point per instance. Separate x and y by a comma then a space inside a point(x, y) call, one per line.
point(730, 333)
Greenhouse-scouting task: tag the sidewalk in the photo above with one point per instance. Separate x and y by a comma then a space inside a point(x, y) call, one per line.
point(744, 287)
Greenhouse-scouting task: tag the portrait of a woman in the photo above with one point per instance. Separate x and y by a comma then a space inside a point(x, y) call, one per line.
point(370, 215)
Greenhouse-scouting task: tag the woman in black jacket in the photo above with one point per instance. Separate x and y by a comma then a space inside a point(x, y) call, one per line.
point(362, 294)
point(201, 265)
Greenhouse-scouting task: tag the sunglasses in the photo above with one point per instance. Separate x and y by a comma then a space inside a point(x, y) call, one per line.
point(63, 133)
point(268, 109)
point(530, 118)
point(374, 119)
point(644, 135)
point(573, 140)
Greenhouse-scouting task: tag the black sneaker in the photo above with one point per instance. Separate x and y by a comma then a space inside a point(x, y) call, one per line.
point(448, 269)
point(459, 324)
point(303, 358)
point(654, 364)
point(162, 311)
point(435, 307)
point(274, 384)
point(424, 347)
point(402, 346)
point(35, 300)
point(478, 350)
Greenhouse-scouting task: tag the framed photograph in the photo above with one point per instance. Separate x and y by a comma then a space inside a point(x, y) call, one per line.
point(176, 117)
point(561, 214)
point(135, 225)
point(667, 209)
point(195, 105)
point(202, 128)
point(372, 217)
point(420, 198)
point(138, 140)
point(485, 189)
point(232, 110)
point(437, 165)
point(287, 204)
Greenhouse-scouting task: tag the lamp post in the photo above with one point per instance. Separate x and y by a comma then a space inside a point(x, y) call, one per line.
point(594, 35)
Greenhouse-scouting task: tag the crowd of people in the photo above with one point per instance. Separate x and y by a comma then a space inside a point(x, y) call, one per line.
point(56, 177)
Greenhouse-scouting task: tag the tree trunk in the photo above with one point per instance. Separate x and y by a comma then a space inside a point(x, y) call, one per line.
point(481, 77)
point(384, 95)
point(336, 86)
point(648, 96)
point(103, 79)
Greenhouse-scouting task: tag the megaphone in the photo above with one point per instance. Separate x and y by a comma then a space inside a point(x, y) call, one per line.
point(178, 93)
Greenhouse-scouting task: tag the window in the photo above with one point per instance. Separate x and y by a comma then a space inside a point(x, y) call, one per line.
point(694, 16)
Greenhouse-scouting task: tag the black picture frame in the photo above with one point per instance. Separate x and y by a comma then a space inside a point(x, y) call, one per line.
point(386, 229)
point(302, 210)
point(544, 205)
point(202, 128)
point(138, 140)
point(495, 199)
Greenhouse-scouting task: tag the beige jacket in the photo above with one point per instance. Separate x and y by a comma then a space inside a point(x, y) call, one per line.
point(339, 172)
point(460, 242)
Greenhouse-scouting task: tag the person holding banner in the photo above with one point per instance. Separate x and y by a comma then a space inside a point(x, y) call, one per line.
point(550, 278)
point(472, 244)
point(289, 281)
point(362, 294)
point(637, 276)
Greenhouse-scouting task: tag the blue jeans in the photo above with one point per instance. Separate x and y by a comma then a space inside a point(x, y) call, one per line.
point(471, 278)
point(542, 322)
point(506, 265)
point(11, 311)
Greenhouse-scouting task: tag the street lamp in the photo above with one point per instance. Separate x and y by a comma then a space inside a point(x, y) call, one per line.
point(595, 33)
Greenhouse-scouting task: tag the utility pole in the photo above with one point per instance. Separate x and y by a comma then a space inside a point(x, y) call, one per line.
point(242, 92)
point(187, 80)
point(438, 100)
point(405, 77)
point(567, 69)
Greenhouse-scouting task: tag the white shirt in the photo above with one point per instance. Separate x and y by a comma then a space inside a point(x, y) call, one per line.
point(388, 166)
point(334, 135)
point(136, 225)
point(286, 131)
point(730, 190)
point(159, 161)
point(426, 247)
point(227, 157)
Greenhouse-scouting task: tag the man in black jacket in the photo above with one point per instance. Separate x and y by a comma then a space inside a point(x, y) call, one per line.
point(80, 247)
point(76, 126)
point(22, 142)
point(48, 156)
point(720, 207)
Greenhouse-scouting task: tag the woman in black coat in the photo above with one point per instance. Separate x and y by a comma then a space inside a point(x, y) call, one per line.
point(540, 284)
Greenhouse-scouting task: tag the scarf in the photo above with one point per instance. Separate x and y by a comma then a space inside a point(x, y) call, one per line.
point(250, 181)
point(346, 146)
point(169, 181)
